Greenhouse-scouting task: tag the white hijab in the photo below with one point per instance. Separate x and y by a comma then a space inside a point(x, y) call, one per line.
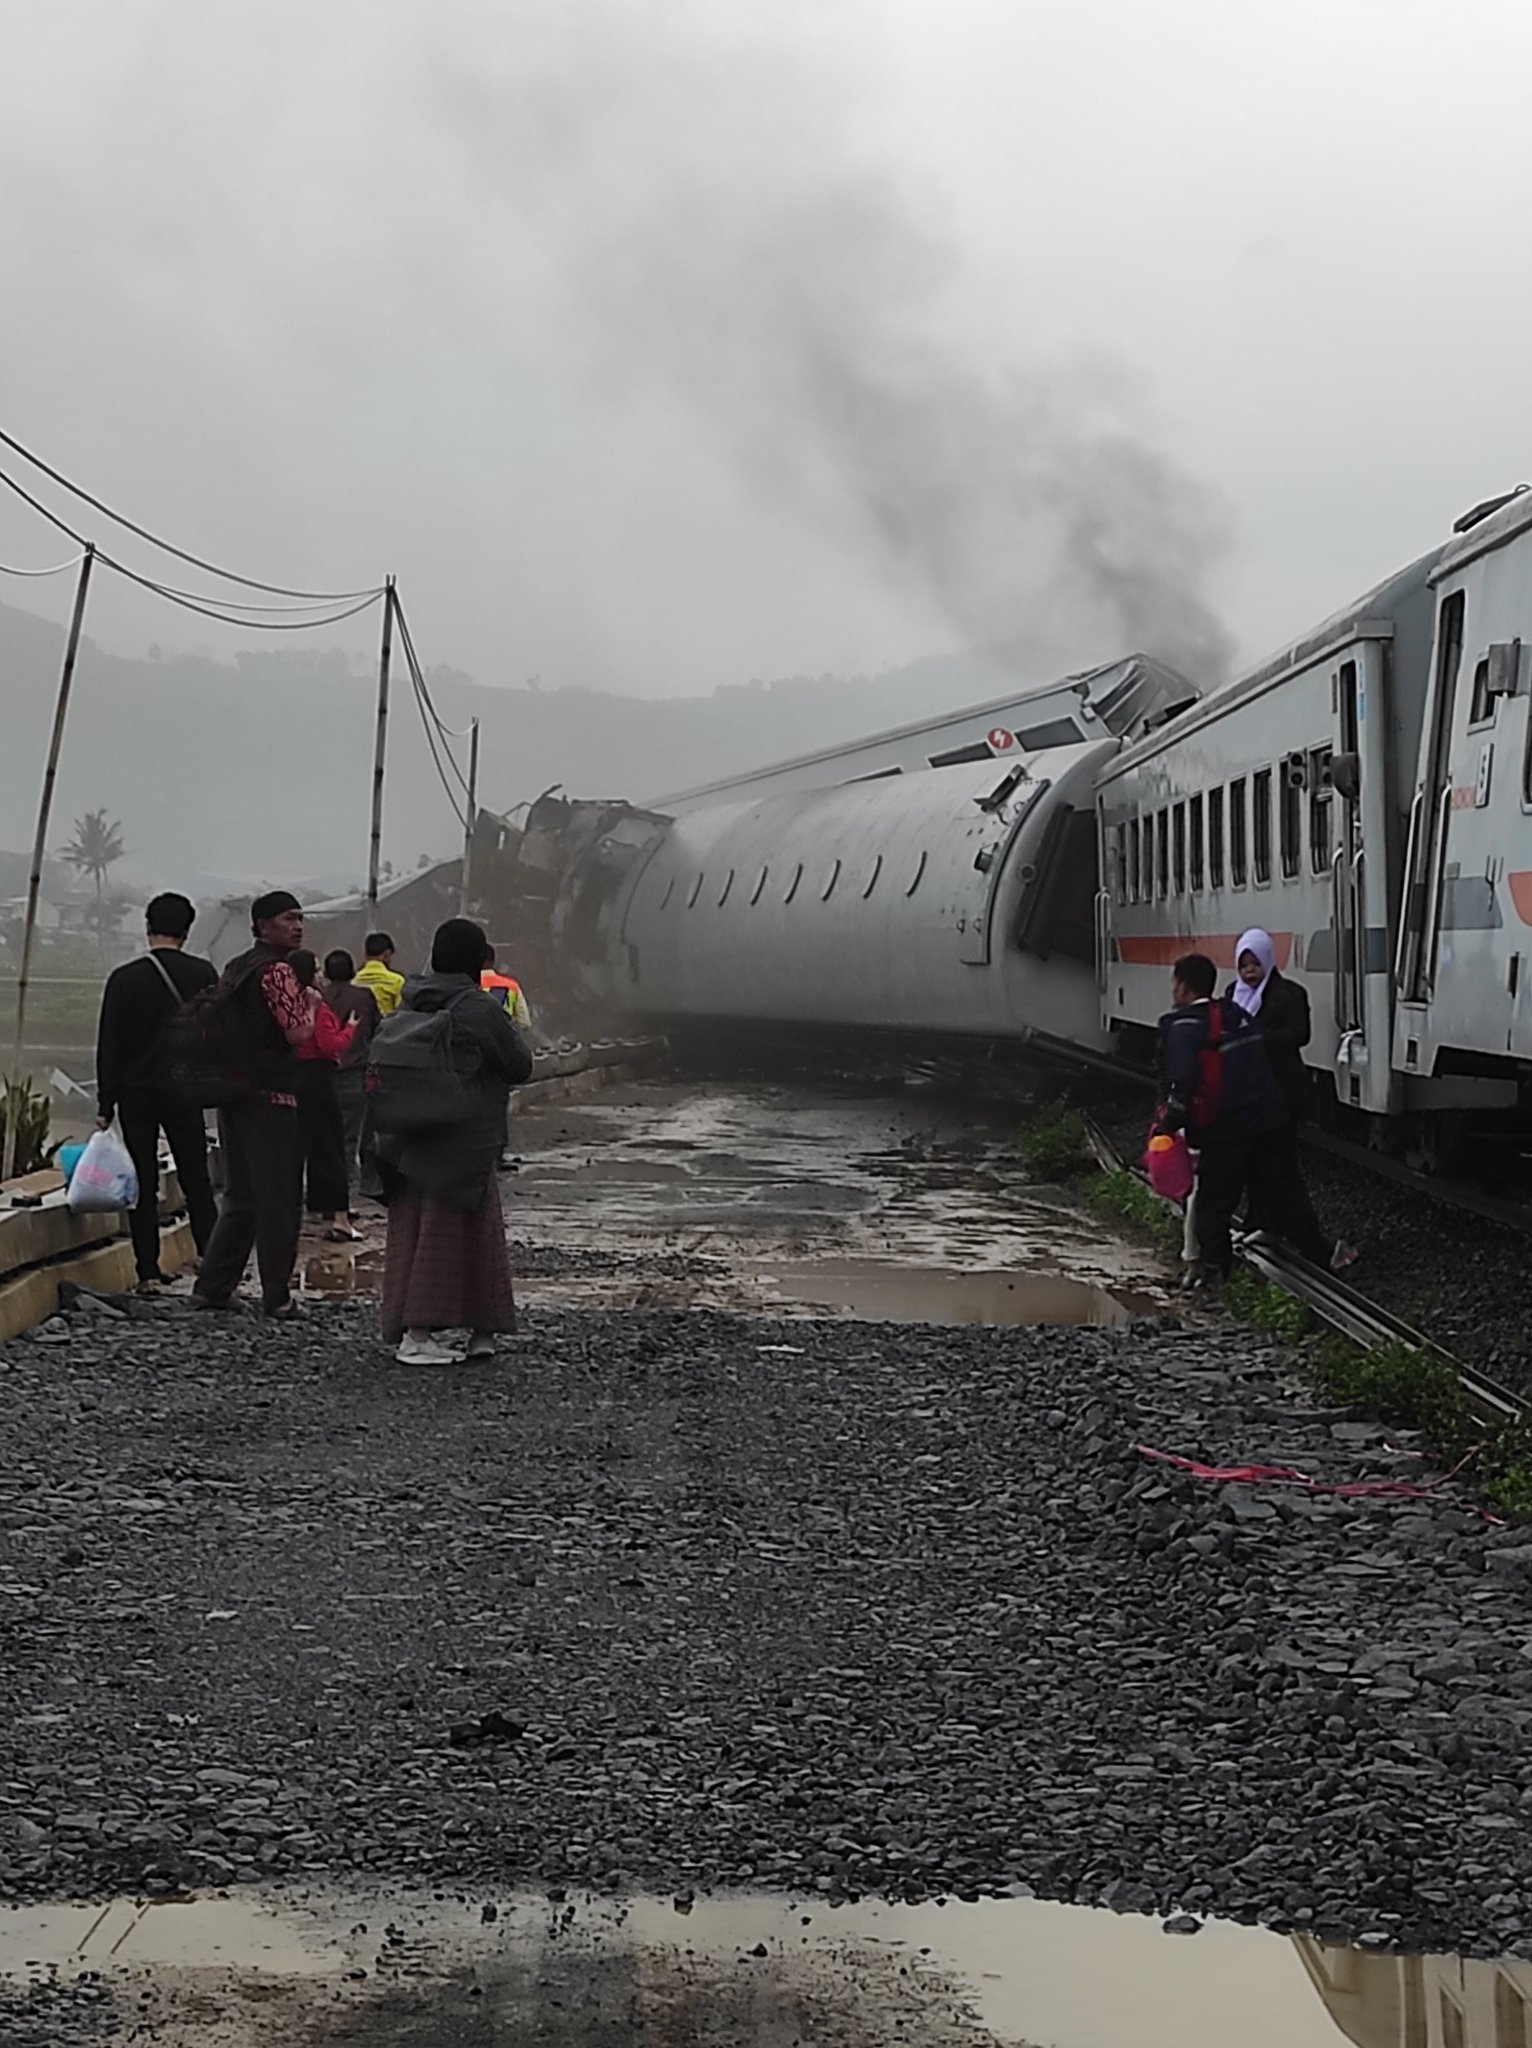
point(1258, 942)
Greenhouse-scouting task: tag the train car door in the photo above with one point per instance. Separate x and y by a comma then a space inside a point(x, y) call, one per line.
point(1006, 809)
point(1426, 854)
point(1352, 825)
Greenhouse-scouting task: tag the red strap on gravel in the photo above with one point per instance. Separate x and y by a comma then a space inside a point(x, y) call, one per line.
point(1287, 1475)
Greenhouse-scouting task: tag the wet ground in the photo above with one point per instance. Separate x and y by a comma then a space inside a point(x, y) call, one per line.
point(738, 1971)
point(789, 1199)
point(833, 1610)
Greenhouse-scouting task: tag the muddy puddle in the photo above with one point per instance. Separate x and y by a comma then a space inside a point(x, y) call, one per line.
point(254, 1971)
point(768, 1199)
point(876, 1292)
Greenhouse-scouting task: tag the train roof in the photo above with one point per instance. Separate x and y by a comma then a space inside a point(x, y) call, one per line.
point(1114, 697)
point(1479, 533)
point(897, 795)
point(1373, 615)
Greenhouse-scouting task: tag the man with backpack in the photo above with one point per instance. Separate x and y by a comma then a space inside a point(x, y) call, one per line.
point(133, 1082)
point(252, 1028)
point(1218, 1089)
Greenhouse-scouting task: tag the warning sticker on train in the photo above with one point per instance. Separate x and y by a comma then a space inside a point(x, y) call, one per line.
point(1000, 739)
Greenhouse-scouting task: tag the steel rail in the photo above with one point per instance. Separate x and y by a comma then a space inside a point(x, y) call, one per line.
point(1337, 1303)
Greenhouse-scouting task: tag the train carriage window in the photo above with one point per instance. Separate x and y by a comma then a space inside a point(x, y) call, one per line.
point(920, 868)
point(1129, 877)
point(1239, 862)
point(1178, 847)
point(872, 879)
point(1215, 838)
point(724, 893)
point(792, 887)
point(830, 881)
point(760, 884)
point(1196, 847)
point(1481, 708)
point(1320, 808)
point(1290, 811)
point(1162, 854)
point(695, 892)
point(1260, 824)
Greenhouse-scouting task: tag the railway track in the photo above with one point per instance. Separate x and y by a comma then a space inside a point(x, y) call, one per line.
point(1340, 1306)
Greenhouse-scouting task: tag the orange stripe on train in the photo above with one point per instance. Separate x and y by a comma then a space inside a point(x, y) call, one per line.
point(1164, 950)
point(1520, 887)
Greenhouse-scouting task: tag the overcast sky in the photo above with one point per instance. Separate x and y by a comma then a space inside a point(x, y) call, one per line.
point(661, 343)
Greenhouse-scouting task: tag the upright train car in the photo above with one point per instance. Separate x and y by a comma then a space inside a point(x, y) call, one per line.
point(1279, 800)
point(1464, 952)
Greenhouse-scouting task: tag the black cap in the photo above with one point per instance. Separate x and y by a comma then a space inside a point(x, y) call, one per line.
point(273, 904)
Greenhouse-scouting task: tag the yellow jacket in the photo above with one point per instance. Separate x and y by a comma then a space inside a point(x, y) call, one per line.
point(386, 986)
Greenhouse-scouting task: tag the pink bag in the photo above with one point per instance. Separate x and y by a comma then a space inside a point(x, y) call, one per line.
point(1169, 1165)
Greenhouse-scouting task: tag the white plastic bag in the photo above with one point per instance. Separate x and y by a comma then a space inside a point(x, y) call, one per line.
point(104, 1177)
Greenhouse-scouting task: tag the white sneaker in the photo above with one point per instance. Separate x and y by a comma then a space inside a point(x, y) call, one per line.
point(425, 1351)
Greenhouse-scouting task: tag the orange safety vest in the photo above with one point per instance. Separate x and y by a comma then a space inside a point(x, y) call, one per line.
point(507, 984)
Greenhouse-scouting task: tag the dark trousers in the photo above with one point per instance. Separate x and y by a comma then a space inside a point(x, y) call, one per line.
point(324, 1141)
point(143, 1116)
point(1265, 1168)
point(262, 1204)
point(351, 1087)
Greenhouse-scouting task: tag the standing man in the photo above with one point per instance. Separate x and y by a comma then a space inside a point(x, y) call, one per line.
point(376, 973)
point(505, 988)
point(508, 988)
point(263, 1194)
point(133, 1079)
point(357, 1007)
point(1219, 1090)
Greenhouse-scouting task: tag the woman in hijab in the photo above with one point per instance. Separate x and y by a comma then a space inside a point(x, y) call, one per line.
point(446, 1268)
point(1280, 1010)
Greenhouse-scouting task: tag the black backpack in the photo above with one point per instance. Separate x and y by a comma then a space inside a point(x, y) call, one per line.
point(213, 1051)
point(414, 1083)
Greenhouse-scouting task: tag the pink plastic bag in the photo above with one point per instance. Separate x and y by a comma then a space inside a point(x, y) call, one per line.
point(1169, 1166)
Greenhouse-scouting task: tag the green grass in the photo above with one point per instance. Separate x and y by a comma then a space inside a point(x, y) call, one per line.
point(1053, 1146)
point(1268, 1307)
point(1396, 1383)
point(1123, 1197)
point(1413, 1389)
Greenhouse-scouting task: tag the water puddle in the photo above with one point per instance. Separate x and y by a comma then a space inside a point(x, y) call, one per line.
point(276, 1971)
point(876, 1291)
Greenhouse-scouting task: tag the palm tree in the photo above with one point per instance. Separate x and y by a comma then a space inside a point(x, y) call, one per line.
point(95, 849)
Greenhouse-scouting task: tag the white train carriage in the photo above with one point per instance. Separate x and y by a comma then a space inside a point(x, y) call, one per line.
point(953, 902)
point(1462, 961)
point(1279, 800)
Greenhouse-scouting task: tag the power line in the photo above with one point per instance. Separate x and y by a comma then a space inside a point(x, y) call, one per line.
point(231, 619)
point(227, 618)
point(426, 708)
point(143, 533)
point(57, 569)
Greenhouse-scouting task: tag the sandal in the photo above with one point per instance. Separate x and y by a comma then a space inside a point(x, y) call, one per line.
point(340, 1233)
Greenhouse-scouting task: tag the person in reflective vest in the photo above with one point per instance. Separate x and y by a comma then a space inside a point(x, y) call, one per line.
point(508, 989)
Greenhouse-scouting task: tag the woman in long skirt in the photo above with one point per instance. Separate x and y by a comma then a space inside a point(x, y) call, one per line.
point(446, 1269)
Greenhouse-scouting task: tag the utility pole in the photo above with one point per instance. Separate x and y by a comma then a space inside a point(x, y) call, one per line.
point(473, 813)
point(39, 853)
point(379, 749)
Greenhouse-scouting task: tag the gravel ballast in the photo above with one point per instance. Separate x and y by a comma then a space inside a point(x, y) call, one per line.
point(681, 1600)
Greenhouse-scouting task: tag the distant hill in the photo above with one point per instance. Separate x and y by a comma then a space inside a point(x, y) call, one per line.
point(264, 767)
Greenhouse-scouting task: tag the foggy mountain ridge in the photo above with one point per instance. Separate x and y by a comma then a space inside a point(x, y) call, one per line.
point(263, 769)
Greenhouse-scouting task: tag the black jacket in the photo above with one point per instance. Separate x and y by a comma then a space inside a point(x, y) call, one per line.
point(457, 1164)
point(136, 1007)
point(1286, 1028)
point(1248, 1100)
